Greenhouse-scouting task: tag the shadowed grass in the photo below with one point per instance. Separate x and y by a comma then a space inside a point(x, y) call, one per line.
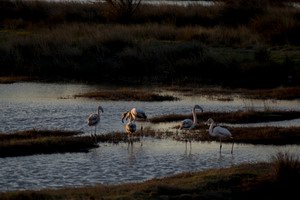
point(43, 142)
point(160, 44)
point(232, 117)
point(13, 79)
point(126, 95)
point(286, 170)
point(246, 135)
point(279, 93)
point(251, 135)
point(32, 142)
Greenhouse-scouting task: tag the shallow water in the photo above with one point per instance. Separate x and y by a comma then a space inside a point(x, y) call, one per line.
point(49, 106)
point(114, 164)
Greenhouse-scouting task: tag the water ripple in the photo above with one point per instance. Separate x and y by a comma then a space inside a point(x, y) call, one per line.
point(35, 105)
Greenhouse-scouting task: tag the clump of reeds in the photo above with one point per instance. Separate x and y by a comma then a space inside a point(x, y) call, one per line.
point(286, 168)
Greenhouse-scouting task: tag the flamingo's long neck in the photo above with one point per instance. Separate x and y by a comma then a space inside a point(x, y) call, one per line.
point(194, 117)
point(130, 117)
point(211, 129)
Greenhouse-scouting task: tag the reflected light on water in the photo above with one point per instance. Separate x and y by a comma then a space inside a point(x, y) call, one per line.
point(26, 106)
point(115, 164)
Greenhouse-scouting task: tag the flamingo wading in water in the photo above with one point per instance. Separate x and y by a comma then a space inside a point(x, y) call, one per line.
point(135, 114)
point(130, 129)
point(188, 124)
point(94, 119)
point(220, 132)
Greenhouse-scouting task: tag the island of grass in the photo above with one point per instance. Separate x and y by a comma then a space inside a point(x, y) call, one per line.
point(126, 94)
point(32, 142)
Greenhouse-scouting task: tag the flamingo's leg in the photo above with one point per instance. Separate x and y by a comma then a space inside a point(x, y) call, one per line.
point(232, 146)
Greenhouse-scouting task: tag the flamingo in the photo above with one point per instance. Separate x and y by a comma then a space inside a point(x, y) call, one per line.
point(94, 119)
point(188, 124)
point(135, 113)
point(130, 128)
point(220, 132)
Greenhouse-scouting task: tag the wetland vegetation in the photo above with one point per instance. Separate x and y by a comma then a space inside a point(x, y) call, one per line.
point(46, 141)
point(126, 94)
point(43, 142)
point(246, 44)
point(224, 44)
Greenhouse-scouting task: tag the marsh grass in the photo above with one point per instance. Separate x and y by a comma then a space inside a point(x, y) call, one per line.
point(286, 169)
point(227, 94)
point(161, 44)
point(286, 172)
point(248, 116)
point(35, 141)
point(242, 135)
point(13, 79)
point(250, 135)
point(43, 142)
point(287, 93)
point(266, 135)
point(126, 94)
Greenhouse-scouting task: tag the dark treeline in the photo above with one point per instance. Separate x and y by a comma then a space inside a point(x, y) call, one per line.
point(239, 43)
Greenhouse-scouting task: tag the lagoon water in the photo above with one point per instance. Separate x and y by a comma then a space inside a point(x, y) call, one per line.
point(25, 106)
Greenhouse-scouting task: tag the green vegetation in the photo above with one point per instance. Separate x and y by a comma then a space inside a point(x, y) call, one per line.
point(274, 180)
point(226, 44)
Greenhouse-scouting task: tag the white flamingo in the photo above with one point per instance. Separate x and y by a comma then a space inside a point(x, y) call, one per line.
point(94, 119)
point(220, 132)
point(188, 124)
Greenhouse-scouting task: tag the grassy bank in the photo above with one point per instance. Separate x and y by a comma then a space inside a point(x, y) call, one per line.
point(225, 44)
point(274, 180)
point(43, 142)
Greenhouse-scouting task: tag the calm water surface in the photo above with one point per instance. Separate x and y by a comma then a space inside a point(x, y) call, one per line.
point(49, 106)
